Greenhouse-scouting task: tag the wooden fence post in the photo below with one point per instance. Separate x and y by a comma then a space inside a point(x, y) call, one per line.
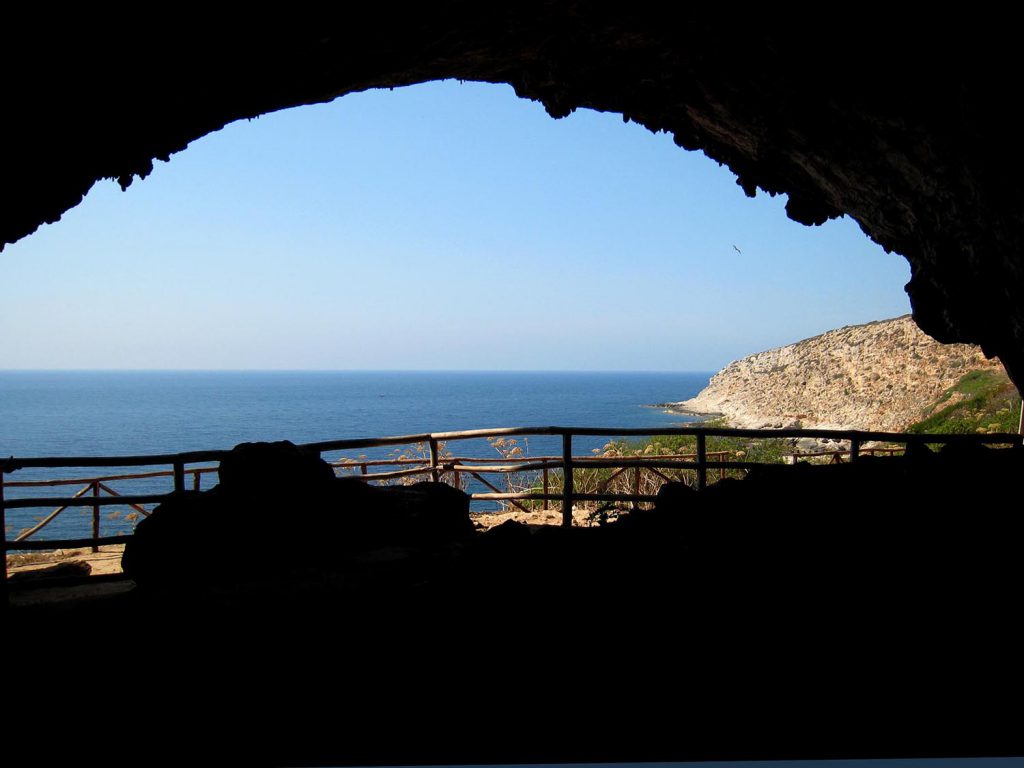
point(636, 487)
point(95, 514)
point(434, 474)
point(545, 486)
point(179, 476)
point(567, 488)
point(702, 461)
point(196, 479)
point(854, 449)
point(3, 519)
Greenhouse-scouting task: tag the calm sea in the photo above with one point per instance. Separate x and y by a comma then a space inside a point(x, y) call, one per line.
point(114, 413)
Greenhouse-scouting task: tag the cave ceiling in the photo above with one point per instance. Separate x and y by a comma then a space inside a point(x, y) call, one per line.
point(909, 127)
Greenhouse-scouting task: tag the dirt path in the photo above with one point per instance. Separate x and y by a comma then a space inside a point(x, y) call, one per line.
point(106, 561)
point(552, 516)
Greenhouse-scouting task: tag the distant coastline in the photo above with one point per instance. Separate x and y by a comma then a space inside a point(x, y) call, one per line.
point(680, 409)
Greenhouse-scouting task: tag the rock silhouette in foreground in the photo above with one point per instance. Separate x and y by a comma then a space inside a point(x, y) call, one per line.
point(279, 507)
point(867, 609)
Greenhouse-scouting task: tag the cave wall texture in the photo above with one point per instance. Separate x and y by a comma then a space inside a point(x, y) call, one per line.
point(908, 126)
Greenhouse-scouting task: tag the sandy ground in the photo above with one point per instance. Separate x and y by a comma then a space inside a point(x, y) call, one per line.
point(106, 561)
point(552, 516)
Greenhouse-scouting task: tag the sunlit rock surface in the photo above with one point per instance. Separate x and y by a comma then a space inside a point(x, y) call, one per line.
point(878, 376)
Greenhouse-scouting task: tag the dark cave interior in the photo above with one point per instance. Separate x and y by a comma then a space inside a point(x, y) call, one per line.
point(724, 635)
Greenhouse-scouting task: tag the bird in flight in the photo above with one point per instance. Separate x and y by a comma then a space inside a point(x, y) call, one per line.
point(737, 250)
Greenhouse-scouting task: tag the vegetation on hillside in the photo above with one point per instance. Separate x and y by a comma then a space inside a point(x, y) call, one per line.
point(982, 401)
point(763, 450)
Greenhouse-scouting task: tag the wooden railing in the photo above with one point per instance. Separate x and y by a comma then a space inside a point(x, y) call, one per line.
point(436, 467)
point(455, 470)
point(93, 489)
point(452, 470)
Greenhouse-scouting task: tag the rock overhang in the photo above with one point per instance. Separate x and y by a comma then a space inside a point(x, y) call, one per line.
point(908, 128)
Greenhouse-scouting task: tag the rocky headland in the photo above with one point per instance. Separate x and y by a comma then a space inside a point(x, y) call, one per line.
point(880, 376)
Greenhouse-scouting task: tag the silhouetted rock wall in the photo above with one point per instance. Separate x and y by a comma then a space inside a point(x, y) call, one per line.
point(908, 126)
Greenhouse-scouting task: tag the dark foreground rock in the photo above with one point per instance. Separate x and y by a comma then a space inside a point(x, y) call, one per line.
point(866, 610)
point(279, 508)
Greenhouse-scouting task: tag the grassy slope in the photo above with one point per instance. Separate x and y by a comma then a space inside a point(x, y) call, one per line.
point(982, 401)
point(769, 450)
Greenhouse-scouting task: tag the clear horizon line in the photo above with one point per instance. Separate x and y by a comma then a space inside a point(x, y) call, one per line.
point(351, 370)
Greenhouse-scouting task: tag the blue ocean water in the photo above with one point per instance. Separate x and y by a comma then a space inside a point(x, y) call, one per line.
point(120, 413)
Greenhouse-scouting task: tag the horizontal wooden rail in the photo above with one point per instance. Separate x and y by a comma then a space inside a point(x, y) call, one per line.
point(366, 442)
point(469, 434)
point(486, 482)
point(484, 460)
point(14, 463)
point(104, 478)
point(502, 468)
point(101, 501)
point(45, 521)
point(344, 462)
point(525, 463)
point(397, 473)
point(659, 462)
point(192, 457)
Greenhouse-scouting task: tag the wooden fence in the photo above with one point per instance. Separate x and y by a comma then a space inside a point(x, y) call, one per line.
point(436, 466)
point(93, 489)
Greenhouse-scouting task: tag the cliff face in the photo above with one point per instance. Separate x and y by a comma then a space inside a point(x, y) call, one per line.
point(878, 376)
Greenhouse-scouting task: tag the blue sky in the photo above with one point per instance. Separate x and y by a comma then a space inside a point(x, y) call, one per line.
point(442, 226)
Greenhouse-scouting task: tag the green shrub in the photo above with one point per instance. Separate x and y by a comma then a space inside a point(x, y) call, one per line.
point(990, 403)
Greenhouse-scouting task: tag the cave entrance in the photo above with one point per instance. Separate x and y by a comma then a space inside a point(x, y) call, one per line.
point(334, 236)
point(441, 227)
